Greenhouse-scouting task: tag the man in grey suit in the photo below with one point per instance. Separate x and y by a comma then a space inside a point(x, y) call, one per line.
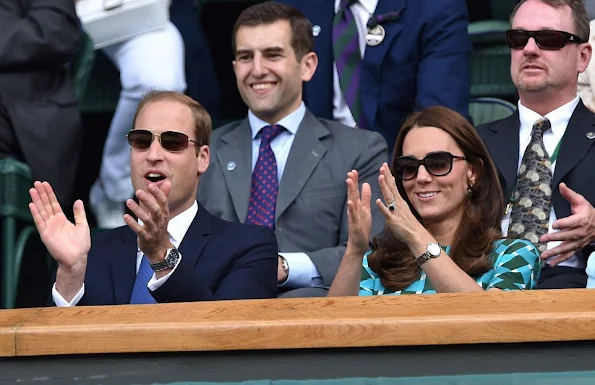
point(281, 166)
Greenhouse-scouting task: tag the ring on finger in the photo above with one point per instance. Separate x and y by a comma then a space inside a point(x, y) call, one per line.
point(392, 206)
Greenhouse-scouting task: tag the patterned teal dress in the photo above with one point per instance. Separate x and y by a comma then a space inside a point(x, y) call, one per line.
point(516, 267)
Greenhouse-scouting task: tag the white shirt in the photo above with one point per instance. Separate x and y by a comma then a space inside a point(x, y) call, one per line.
point(302, 272)
point(559, 120)
point(362, 12)
point(177, 228)
point(591, 271)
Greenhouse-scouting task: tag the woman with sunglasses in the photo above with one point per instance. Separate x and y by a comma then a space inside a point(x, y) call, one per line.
point(443, 213)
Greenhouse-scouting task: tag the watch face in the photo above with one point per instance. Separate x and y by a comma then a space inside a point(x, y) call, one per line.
point(434, 249)
point(172, 257)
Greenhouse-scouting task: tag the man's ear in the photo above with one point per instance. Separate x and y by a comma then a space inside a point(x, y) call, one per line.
point(203, 159)
point(309, 63)
point(586, 51)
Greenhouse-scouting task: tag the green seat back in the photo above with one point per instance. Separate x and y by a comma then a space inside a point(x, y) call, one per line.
point(485, 110)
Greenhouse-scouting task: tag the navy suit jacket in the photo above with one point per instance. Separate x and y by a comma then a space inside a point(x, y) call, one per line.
point(423, 61)
point(574, 166)
point(220, 260)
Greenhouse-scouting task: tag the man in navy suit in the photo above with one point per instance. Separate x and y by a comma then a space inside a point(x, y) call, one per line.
point(549, 48)
point(418, 57)
point(176, 251)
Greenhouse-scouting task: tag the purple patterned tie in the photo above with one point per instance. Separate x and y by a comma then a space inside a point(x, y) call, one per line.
point(265, 183)
point(348, 59)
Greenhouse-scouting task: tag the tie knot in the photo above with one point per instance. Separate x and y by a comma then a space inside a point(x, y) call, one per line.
point(347, 3)
point(269, 133)
point(541, 125)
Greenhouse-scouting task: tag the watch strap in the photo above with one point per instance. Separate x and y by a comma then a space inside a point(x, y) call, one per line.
point(172, 256)
point(284, 265)
point(159, 266)
point(425, 257)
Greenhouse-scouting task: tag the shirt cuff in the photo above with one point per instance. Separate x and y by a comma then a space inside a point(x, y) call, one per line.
point(61, 302)
point(591, 271)
point(302, 272)
point(155, 283)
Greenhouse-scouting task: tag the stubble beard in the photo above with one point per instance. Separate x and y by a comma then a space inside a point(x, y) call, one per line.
point(531, 86)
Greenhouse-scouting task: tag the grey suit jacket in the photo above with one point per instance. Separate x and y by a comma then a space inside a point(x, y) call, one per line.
point(311, 210)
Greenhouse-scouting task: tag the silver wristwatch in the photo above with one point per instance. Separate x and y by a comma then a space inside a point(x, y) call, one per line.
point(172, 256)
point(433, 250)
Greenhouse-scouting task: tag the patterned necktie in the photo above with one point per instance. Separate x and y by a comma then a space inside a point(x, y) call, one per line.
point(348, 59)
point(532, 198)
point(140, 292)
point(265, 183)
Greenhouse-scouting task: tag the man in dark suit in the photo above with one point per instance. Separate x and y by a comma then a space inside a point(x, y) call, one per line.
point(550, 140)
point(176, 251)
point(282, 167)
point(413, 53)
point(39, 117)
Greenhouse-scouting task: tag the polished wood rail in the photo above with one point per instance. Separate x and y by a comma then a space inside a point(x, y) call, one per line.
point(494, 317)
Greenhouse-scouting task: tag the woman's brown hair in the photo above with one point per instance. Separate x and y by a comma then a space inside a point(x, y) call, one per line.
point(392, 260)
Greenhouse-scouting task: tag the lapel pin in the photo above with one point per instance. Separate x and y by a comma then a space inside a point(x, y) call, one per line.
point(375, 35)
point(231, 166)
point(590, 135)
point(316, 30)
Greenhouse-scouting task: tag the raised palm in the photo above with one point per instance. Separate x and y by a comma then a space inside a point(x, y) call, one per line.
point(359, 215)
point(67, 242)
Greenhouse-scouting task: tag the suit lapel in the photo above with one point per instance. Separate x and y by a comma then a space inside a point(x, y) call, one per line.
point(305, 154)
point(503, 144)
point(374, 57)
point(124, 266)
point(124, 257)
point(195, 239)
point(575, 143)
point(232, 148)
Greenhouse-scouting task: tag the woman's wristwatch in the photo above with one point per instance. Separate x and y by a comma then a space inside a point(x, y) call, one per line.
point(433, 250)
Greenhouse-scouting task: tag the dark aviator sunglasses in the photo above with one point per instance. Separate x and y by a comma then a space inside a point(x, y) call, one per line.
point(545, 39)
point(436, 163)
point(171, 141)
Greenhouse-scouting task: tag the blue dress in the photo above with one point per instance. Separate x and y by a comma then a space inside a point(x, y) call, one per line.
point(516, 267)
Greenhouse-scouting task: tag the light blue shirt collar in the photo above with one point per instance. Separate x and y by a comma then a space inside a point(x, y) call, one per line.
point(291, 122)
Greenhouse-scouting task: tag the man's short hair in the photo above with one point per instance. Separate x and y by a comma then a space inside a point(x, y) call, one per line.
point(202, 120)
point(302, 40)
point(579, 13)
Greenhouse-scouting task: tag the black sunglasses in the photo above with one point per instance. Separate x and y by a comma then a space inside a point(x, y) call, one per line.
point(171, 141)
point(545, 39)
point(436, 163)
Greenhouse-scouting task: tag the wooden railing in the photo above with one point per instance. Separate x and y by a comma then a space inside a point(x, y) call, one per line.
point(494, 317)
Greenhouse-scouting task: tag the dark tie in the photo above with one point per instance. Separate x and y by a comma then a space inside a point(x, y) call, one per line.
point(140, 292)
point(348, 59)
point(265, 183)
point(532, 199)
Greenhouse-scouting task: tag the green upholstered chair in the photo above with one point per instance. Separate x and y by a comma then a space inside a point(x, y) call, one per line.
point(103, 89)
point(485, 110)
point(490, 61)
point(15, 181)
point(488, 32)
point(501, 9)
point(83, 66)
